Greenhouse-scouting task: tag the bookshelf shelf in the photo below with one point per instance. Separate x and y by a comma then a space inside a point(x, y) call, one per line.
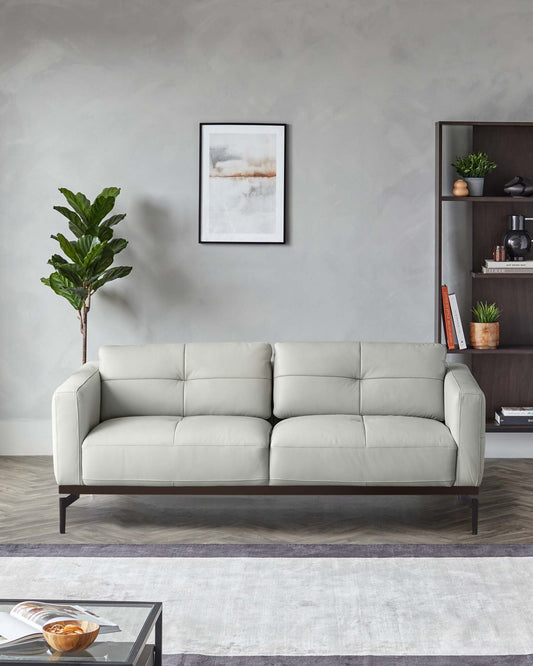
point(500, 276)
point(492, 426)
point(466, 236)
point(500, 350)
point(506, 199)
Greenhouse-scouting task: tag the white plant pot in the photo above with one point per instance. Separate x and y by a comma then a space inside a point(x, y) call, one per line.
point(475, 186)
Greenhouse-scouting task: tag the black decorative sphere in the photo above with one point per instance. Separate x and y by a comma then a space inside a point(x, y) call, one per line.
point(517, 240)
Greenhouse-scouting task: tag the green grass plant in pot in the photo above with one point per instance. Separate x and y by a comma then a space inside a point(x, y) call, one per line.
point(87, 262)
point(473, 168)
point(485, 329)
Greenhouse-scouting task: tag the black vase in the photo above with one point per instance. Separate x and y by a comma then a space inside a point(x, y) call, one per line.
point(517, 240)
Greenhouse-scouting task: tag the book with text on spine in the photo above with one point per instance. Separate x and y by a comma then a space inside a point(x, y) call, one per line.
point(447, 316)
point(515, 271)
point(501, 419)
point(517, 411)
point(527, 263)
point(458, 324)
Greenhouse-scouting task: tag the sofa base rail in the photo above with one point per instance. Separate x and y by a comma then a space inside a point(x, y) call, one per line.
point(466, 494)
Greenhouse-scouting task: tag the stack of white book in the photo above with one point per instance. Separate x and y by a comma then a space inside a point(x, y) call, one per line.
point(492, 266)
point(514, 416)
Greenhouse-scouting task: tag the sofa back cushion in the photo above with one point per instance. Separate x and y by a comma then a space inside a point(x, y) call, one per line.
point(397, 379)
point(231, 379)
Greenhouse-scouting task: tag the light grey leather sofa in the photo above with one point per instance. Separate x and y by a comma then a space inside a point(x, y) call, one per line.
point(349, 418)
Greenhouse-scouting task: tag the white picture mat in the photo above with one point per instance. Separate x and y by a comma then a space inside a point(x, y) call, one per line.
point(207, 234)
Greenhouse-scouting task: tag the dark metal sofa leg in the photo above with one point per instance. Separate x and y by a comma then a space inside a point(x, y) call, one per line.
point(64, 502)
point(475, 511)
point(473, 502)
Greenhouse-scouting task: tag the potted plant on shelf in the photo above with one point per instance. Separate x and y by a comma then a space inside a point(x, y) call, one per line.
point(473, 168)
point(91, 253)
point(485, 329)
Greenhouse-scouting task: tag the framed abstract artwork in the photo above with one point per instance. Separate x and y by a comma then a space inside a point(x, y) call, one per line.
point(242, 183)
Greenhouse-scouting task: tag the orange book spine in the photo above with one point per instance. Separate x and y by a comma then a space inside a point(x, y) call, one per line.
point(447, 315)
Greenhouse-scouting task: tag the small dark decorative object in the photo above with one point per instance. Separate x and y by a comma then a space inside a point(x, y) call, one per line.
point(517, 240)
point(519, 187)
point(499, 253)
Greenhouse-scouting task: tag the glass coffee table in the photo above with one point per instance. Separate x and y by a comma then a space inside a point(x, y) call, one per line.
point(127, 647)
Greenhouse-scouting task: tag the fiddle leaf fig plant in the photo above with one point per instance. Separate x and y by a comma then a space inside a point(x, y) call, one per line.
point(87, 262)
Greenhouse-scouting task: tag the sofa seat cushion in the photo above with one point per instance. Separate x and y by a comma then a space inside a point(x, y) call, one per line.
point(317, 449)
point(362, 450)
point(171, 450)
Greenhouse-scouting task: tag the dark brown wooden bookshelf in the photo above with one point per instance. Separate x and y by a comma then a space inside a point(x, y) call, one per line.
point(504, 374)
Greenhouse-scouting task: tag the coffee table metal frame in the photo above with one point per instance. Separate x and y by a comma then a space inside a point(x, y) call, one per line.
point(153, 620)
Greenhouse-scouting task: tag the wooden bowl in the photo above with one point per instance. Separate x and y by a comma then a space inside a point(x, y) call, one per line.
point(71, 642)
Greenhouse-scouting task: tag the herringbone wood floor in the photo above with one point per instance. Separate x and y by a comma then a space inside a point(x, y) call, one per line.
point(28, 514)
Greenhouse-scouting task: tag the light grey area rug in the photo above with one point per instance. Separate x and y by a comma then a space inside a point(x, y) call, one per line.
point(316, 605)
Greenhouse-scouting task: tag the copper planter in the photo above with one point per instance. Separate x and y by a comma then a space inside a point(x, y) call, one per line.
point(484, 336)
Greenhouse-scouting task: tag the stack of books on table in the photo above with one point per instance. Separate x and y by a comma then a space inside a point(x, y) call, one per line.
point(507, 266)
point(514, 416)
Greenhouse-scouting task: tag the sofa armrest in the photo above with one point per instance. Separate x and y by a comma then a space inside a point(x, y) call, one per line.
point(75, 411)
point(464, 414)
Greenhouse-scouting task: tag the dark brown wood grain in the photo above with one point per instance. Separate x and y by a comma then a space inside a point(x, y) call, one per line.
point(505, 380)
point(514, 298)
point(511, 147)
point(504, 374)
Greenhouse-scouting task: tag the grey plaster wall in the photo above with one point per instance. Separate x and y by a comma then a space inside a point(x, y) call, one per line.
point(110, 92)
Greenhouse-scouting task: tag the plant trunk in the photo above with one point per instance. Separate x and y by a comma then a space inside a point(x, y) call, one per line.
point(82, 316)
point(84, 334)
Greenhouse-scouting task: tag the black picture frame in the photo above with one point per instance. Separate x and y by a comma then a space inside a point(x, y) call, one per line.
point(278, 237)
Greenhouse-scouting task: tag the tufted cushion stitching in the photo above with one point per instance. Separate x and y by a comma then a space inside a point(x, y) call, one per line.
point(143, 379)
point(367, 379)
point(193, 379)
point(437, 379)
point(308, 374)
point(372, 448)
point(193, 446)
